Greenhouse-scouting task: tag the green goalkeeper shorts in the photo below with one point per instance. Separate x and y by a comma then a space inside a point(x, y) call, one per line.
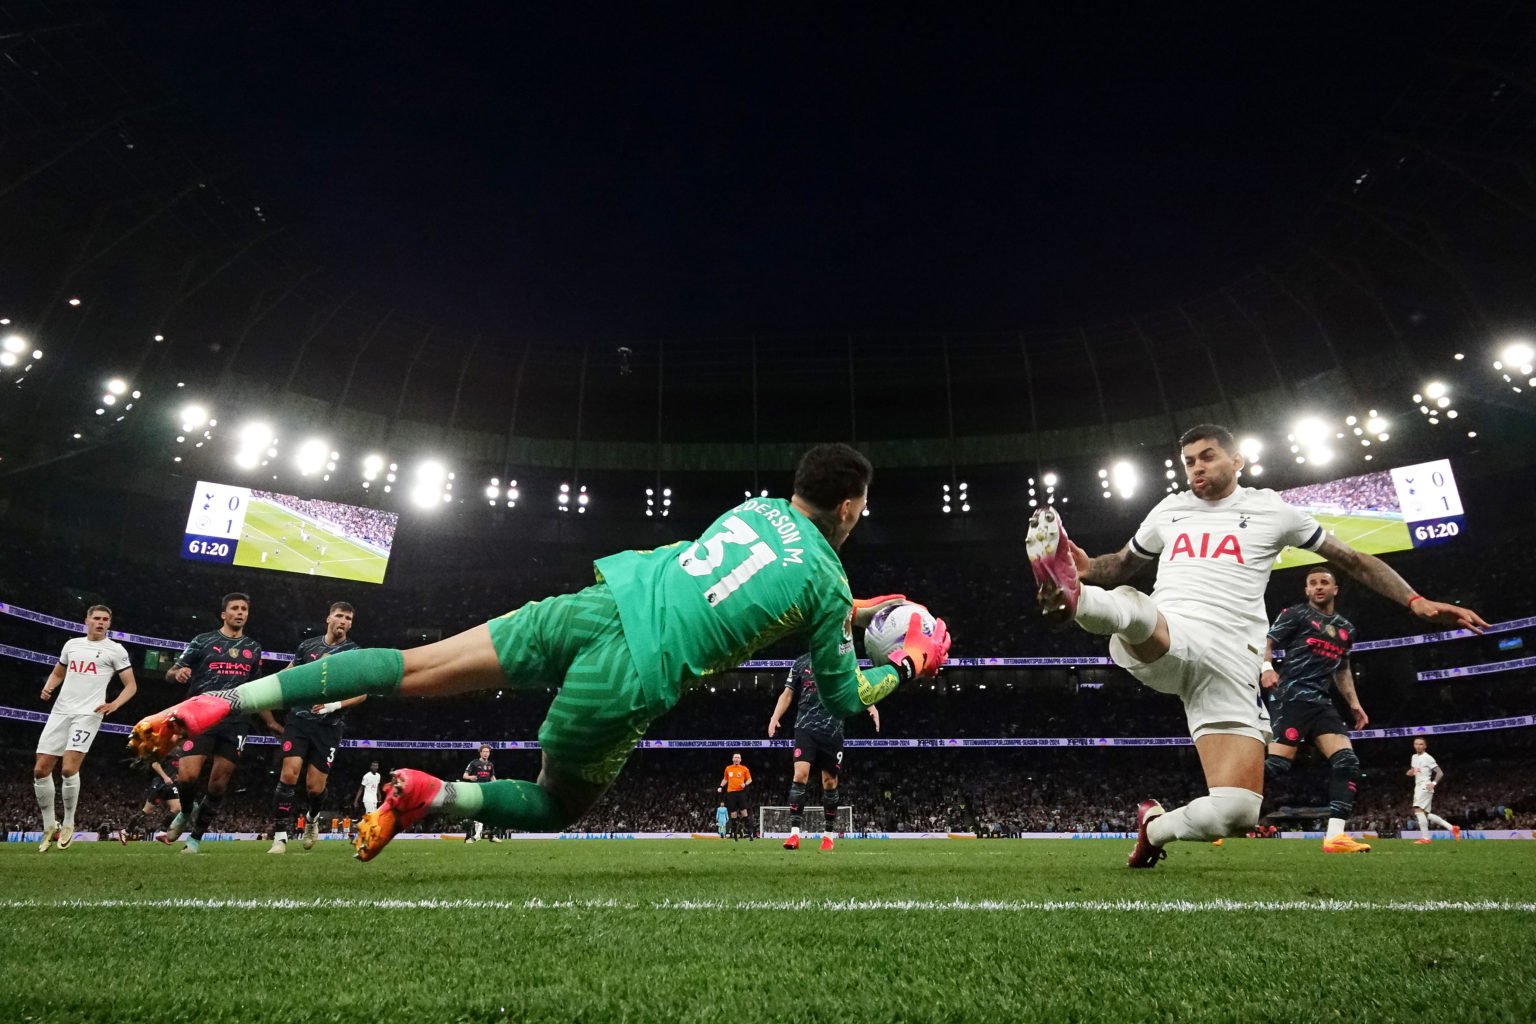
point(576, 642)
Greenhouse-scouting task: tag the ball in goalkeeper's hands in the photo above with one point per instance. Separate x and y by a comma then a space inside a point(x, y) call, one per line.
point(888, 630)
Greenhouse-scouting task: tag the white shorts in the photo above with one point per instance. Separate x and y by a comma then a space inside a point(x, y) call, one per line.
point(68, 732)
point(370, 804)
point(1423, 799)
point(1214, 673)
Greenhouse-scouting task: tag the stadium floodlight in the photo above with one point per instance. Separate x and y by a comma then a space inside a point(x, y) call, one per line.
point(1256, 469)
point(428, 489)
point(109, 399)
point(8, 359)
point(310, 457)
point(492, 492)
point(372, 465)
point(1309, 432)
point(1435, 389)
point(116, 386)
point(251, 440)
point(14, 344)
point(1050, 479)
point(1518, 354)
point(74, 301)
point(1122, 476)
point(1250, 448)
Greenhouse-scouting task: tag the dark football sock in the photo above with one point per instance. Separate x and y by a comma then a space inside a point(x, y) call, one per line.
point(796, 804)
point(207, 810)
point(829, 808)
point(282, 814)
point(1275, 766)
point(1344, 777)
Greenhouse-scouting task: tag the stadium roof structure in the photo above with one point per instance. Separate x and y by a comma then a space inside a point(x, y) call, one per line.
point(191, 283)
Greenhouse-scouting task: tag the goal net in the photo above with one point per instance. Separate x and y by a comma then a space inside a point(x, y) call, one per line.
point(774, 821)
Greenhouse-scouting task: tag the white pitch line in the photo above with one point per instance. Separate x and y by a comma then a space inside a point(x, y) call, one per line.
point(1225, 906)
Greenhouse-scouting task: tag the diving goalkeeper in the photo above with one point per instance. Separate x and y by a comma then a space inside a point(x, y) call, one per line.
point(622, 651)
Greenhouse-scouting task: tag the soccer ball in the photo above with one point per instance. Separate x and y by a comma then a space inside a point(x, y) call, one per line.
point(888, 629)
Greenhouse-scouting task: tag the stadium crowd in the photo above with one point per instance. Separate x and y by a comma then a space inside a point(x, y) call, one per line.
point(1372, 492)
point(370, 525)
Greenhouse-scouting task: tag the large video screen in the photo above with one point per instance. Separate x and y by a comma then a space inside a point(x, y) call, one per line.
point(265, 530)
point(1393, 510)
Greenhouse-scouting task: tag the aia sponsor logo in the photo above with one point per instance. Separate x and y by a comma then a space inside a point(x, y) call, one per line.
point(87, 668)
point(1227, 547)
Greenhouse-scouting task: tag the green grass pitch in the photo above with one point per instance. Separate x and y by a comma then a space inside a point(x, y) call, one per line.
point(734, 931)
point(1374, 536)
point(266, 526)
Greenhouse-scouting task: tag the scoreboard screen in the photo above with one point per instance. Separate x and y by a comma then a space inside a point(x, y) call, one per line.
point(236, 525)
point(1392, 510)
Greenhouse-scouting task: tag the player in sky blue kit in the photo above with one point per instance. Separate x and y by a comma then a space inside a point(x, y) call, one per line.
point(1316, 641)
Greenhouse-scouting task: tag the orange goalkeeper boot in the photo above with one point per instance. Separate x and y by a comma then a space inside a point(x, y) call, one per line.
point(155, 735)
point(409, 798)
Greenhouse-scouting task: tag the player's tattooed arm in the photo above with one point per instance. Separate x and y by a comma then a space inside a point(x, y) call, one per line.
point(1344, 682)
point(1107, 570)
point(1381, 577)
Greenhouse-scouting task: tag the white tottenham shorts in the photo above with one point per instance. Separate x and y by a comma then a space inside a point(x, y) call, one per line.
point(1423, 798)
point(370, 804)
point(1213, 671)
point(68, 732)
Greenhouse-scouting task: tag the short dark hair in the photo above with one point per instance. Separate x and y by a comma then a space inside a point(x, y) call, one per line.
point(1210, 432)
point(93, 609)
point(1326, 570)
point(236, 596)
point(830, 474)
point(341, 606)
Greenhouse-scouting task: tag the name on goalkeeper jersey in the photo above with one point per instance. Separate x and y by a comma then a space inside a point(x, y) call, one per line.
point(782, 523)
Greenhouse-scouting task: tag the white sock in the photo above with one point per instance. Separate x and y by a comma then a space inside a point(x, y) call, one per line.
point(1423, 823)
point(69, 788)
point(281, 837)
point(43, 789)
point(479, 829)
point(794, 830)
point(1124, 610)
point(1227, 811)
point(1439, 822)
point(1336, 826)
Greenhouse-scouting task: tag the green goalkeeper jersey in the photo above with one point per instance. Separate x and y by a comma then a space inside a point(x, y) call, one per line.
point(762, 571)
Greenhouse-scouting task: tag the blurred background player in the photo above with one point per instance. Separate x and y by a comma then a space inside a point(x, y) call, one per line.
point(734, 785)
point(624, 649)
point(312, 735)
point(162, 790)
point(368, 789)
point(1427, 773)
point(1198, 634)
point(482, 771)
point(818, 744)
point(722, 818)
point(215, 660)
point(86, 665)
point(1316, 641)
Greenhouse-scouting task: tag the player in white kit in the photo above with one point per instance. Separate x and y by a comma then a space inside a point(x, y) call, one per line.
point(1200, 634)
point(86, 665)
point(368, 792)
point(1427, 773)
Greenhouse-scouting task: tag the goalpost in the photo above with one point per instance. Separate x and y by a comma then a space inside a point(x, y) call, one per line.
point(773, 822)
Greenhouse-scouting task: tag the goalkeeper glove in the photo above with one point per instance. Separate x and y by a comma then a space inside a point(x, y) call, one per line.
point(864, 608)
point(921, 655)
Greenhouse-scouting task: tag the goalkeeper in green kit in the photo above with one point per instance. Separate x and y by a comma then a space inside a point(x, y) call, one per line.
point(622, 652)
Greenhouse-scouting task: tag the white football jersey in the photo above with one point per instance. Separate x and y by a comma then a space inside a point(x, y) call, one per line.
point(371, 785)
point(89, 665)
point(1426, 766)
point(1214, 557)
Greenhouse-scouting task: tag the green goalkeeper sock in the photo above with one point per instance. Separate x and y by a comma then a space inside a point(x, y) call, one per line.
point(526, 806)
point(374, 671)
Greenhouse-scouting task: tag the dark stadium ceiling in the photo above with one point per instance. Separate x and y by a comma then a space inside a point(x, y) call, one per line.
point(741, 225)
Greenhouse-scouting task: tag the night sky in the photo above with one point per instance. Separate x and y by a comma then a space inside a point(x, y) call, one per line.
point(622, 173)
